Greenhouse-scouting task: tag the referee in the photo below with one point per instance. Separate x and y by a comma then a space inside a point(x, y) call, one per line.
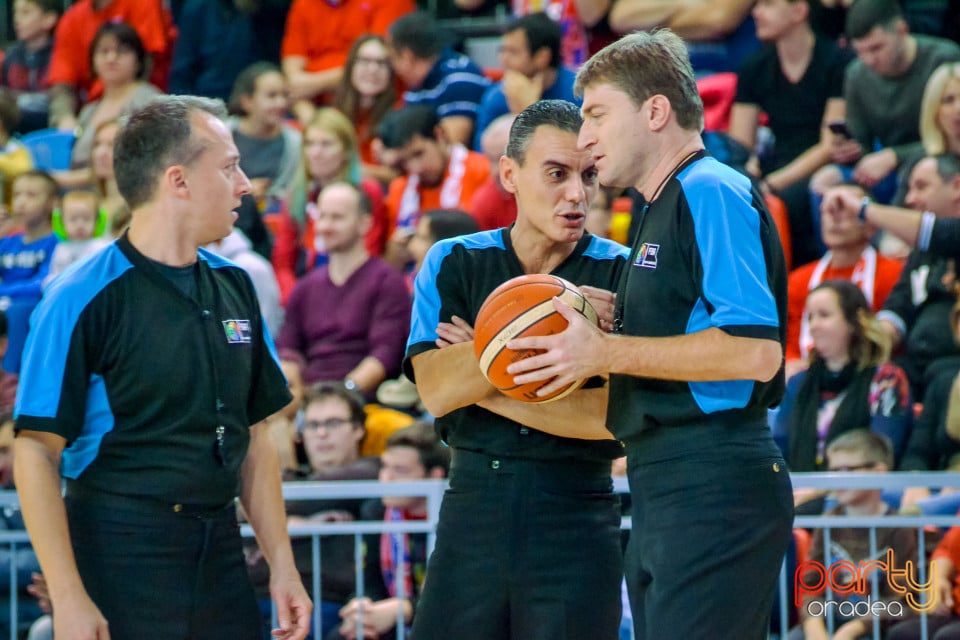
point(144, 370)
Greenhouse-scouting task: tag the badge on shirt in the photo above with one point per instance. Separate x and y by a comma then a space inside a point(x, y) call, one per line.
point(647, 256)
point(238, 331)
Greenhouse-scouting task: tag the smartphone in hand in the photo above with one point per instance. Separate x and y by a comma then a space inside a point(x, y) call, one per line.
point(839, 127)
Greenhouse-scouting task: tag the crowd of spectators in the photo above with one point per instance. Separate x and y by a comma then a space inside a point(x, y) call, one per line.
point(368, 133)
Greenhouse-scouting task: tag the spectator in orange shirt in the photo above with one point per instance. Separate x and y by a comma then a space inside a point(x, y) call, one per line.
point(849, 256)
point(70, 73)
point(316, 41)
point(438, 174)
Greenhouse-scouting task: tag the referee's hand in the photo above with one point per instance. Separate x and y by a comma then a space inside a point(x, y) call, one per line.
point(77, 618)
point(293, 609)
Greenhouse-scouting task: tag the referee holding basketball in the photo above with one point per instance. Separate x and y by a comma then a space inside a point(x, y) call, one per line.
point(696, 358)
point(528, 542)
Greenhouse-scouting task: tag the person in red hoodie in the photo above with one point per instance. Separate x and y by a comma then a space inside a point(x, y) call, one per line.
point(70, 74)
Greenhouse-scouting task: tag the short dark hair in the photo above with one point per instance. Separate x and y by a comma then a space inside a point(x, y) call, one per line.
point(246, 83)
point(154, 137)
point(450, 223)
point(401, 125)
point(418, 33)
point(556, 113)
point(323, 391)
point(541, 31)
point(422, 437)
point(9, 111)
point(864, 15)
point(126, 37)
point(53, 188)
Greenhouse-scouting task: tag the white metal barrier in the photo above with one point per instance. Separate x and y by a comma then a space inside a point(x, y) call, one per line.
point(433, 490)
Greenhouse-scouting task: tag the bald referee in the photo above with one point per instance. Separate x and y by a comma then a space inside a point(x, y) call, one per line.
point(528, 540)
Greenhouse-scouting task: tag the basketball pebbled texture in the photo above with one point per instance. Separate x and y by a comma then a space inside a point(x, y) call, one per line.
point(521, 307)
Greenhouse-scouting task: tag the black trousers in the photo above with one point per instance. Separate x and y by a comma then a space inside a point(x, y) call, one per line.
point(160, 573)
point(525, 550)
point(712, 511)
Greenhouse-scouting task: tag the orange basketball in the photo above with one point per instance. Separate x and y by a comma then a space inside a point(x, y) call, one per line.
point(518, 308)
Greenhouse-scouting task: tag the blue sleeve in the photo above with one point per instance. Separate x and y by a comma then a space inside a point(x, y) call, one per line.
point(425, 313)
point(735, 285)
point(56, 376)
point(492, 105)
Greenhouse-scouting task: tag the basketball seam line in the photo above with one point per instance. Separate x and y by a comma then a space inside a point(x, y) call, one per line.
point(499, 342)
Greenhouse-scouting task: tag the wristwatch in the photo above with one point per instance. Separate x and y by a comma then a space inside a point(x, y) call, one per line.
point(862, 214)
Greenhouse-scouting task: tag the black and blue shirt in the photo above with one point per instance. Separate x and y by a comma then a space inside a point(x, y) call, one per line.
point(456, 277)
point(706, 254)
point(153, 390)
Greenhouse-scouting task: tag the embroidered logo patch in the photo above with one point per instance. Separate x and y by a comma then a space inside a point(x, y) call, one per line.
point(238, 331)
point(647, 256)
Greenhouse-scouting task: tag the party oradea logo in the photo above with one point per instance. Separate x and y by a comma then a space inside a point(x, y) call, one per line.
point(853, 582)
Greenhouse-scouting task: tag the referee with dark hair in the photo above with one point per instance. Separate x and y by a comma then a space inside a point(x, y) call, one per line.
point(528, 543)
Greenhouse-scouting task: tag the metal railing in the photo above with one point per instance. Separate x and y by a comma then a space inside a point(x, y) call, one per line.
point(433, 490)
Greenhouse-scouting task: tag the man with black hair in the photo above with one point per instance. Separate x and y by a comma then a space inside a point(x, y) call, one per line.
point(436, 75)
point(528, 542)
point(532, 70)
point(883, 89)
point(438, 173)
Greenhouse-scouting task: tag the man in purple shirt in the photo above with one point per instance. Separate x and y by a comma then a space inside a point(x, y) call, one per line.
point(347, 320)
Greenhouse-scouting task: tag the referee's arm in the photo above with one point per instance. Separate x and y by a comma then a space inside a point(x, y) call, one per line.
point(262, 499)
point(36, 468)
point(449, 378)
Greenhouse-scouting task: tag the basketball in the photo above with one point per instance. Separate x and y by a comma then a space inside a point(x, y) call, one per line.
point(519, 308)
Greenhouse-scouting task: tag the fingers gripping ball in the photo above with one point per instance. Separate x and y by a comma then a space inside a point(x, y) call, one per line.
point(518, 308)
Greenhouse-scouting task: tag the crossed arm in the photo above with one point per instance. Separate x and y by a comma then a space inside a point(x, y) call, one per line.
point(449, 378)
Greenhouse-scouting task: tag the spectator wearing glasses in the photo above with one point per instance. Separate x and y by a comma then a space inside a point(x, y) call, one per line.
point(330, 429)
point(859, 450)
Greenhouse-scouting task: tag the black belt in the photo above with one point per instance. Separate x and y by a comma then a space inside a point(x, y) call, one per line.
point(565, 471)
point(143, 504)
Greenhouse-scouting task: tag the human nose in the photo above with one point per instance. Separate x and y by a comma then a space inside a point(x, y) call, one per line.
point(585, 139)
point(243, 183)
point(913, 200)
point(576, 191)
